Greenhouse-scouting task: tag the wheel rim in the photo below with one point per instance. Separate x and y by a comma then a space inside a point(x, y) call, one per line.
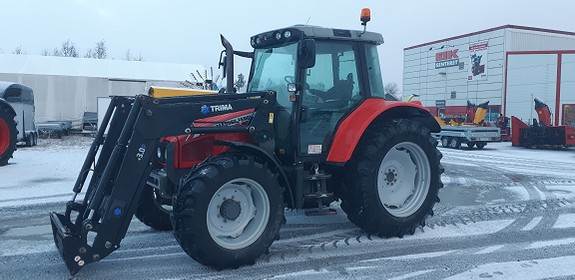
point(444, 142)
point(403, 179)
point(4, 136)
point(238, 213)
point(453, 143)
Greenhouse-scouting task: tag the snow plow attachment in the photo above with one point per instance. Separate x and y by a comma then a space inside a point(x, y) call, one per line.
point(120, 161)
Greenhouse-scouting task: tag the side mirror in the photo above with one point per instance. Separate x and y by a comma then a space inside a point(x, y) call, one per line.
point(306, 54)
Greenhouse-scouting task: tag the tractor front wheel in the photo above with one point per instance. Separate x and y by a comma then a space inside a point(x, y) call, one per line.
point(153, 210)
point(228, 211)
point(8, 134)
point(394, 179)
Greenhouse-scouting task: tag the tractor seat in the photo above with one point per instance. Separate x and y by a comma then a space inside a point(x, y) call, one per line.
point(339, 95)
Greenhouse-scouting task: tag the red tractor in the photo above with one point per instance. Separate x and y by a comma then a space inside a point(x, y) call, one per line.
point(8, 132)
point(542, 133)
point(220, 168)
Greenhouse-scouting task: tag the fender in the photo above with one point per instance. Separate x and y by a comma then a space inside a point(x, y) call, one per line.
point(353, 126)
point(246, 147)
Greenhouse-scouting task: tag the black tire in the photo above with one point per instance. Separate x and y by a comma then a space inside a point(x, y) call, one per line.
point(191, 204)
point(150, 211)
point(8, 133)
point(454, 143)
point(470, 145)
point(29, 140)
point(480, 145)
point(445, 142)
point(360, 199)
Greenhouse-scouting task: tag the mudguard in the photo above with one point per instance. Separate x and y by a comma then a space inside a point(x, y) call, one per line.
point(352, 128)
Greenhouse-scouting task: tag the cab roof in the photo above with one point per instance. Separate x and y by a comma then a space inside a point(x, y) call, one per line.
point(314, 32)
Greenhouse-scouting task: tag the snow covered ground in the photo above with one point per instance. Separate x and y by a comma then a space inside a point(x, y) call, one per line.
point(505, 213)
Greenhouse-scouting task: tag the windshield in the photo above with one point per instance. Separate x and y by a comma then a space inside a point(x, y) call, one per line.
point(273, 69)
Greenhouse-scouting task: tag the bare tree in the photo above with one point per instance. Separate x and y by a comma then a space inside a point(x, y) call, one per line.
point(46, 52)
point(131, 57)
point(19, 50)
point(100, 51)
point(68, 49)
point(391, 90)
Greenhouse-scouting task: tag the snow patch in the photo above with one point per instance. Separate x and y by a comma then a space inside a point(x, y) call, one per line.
point(525, 270)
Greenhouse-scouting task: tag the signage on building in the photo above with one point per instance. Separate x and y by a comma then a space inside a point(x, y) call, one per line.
point(478, 61)
point(440, 103)
point(446, 59)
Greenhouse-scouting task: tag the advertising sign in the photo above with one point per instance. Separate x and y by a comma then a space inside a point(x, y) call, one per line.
point(446, 59)
point(478, 61)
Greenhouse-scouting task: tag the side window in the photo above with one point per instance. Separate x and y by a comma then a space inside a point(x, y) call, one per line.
point(333, 81)
point(374, 71)
point(319, 77)
point(348, 73)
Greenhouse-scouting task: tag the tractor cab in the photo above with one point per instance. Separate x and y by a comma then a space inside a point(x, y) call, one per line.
point(319, 75)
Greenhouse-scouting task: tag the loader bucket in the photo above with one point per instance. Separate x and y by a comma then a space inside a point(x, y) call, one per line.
point(73, 249)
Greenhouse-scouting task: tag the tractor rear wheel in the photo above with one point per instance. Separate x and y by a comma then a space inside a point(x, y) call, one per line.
point(228, 211)
point(8, 134)
point(152, 212)
point(393, 180)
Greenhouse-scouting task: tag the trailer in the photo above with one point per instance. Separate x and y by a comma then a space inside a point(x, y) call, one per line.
point(472, 136)
point(21, 98)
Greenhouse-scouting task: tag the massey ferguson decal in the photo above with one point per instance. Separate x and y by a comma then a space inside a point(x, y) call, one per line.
point(446, 59)
point(230, 119)
point(478, 61)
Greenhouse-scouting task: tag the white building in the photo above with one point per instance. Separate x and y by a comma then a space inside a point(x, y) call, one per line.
point(65, 88)
point(507, 66)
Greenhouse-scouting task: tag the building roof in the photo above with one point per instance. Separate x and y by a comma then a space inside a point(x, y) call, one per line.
point(99, 68)
point(527, 28)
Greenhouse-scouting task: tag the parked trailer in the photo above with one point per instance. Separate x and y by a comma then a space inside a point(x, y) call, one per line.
point(56, 129)
point(21, 98)
point(472, 136)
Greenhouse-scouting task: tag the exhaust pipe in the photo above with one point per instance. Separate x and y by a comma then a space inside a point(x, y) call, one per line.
point(228, 65)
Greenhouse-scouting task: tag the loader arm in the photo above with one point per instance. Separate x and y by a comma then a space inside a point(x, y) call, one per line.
point(134, 127)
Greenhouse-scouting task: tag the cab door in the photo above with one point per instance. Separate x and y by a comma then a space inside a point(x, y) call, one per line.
point(331, 89)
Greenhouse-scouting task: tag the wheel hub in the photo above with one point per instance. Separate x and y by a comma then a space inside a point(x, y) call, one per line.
point(230, 209)
point(391, 176)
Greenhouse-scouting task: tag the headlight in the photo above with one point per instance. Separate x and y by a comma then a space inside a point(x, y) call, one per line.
point(253, 42)
point(258, 40)
point(287, 34)
point(278, 36)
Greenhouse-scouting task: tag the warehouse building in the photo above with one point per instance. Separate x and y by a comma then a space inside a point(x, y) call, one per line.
point(65, 88)
point(508, 66)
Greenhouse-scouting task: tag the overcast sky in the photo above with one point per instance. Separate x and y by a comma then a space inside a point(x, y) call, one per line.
point(187, 31)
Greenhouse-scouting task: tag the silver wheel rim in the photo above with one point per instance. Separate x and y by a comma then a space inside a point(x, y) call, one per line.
point(403, 179)
point(238, 213)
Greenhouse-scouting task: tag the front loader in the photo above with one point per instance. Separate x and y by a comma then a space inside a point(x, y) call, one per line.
point(220, 168)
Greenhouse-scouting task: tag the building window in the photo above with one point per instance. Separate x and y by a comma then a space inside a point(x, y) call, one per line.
point(453, 95)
